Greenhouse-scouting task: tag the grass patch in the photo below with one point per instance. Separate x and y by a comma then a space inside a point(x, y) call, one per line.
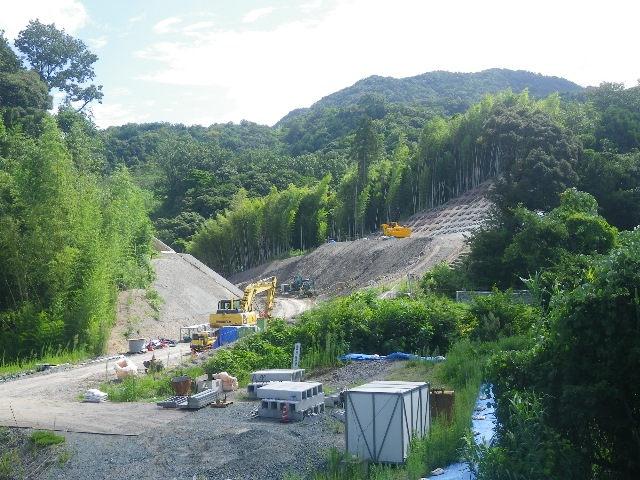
point(139, 388)
point(154, 299)
point(51, 356)
point(323, 355)
point(149, 387)
point(44, 438)
point(24, 455)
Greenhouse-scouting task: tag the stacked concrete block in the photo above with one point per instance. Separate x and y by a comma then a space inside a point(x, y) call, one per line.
point(201, 399)
point(301, 398)
point(260, 378)
point(203, 383)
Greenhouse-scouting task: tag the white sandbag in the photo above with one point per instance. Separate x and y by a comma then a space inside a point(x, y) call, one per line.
point(94, 395)
point(229, 383)
point(124, 367)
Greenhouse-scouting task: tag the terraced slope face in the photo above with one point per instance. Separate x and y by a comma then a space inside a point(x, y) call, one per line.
point(464, 214)
point(340, 268)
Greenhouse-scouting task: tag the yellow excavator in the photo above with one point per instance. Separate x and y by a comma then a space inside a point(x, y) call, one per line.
point(241, 311)
point(395, 230)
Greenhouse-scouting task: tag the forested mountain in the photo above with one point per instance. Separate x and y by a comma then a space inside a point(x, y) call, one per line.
point(340, 172)
point(444, 93)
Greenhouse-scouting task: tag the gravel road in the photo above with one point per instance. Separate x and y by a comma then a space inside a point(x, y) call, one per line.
point(50, 400)
point(211, 443)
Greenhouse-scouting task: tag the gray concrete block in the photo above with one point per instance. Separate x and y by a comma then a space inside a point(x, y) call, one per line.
point(277, 375)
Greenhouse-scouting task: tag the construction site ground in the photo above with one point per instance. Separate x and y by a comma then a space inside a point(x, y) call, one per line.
point(184, 293)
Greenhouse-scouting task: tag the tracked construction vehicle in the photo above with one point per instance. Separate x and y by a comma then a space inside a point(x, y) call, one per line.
point(300, 285)
point(395, 230)
point(241, 311)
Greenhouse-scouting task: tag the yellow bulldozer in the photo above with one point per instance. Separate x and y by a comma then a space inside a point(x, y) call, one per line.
point(203, 340)
point(395, 230)
point(241, 311)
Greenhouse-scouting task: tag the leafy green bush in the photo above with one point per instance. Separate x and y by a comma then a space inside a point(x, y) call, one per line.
point(528, 449)
point(499, 315)
point(443, 280)
point(365, 323)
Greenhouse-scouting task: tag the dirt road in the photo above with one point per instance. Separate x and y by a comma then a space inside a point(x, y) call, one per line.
point(50, 400)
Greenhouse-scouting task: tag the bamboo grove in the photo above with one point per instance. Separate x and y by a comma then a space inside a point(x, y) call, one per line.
point(70, 238)
point(508, 134)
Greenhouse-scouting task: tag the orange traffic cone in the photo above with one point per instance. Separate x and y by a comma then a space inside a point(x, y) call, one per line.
point(285, 414)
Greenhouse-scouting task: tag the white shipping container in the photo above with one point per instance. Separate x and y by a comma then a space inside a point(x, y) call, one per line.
point(381, 419)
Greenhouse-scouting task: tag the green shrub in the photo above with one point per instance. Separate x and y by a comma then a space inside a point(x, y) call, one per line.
point(498, 315)
point(528, 449)
point(45, 438)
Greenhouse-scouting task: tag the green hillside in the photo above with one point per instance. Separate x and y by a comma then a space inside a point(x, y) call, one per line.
point(446, 93)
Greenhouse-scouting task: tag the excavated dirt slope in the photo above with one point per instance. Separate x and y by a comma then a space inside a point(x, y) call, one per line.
point(340, 268)
point(188, 290)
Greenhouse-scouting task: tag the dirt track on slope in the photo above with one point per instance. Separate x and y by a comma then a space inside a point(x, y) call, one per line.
point(340, 268)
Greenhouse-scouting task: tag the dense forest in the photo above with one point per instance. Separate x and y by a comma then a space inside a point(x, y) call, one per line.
point(79, 207)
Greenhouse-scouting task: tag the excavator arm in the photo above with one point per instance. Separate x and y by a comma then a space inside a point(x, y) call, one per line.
point(240, 311)
point(266, 284)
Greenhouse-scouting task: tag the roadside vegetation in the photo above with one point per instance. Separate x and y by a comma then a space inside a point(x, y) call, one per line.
point(426, 325)
point(29, 455)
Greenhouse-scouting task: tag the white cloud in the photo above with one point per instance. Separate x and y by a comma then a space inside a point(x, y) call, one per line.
point(195, 27)
point(116, 114)
point(257, 14)
point(70, 15)
point(97, 43)
point(310, 6)
point(165, 26)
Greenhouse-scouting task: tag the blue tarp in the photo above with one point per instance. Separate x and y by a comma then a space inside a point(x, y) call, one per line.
point(226, 335)
point(232, 333)
point(391, 356)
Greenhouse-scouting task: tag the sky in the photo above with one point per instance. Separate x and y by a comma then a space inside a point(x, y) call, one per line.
point(200, 62)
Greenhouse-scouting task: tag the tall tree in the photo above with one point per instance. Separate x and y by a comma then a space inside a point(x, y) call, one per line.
point(63, 62)
point(534, 157)
point(22, 92)
point(366, 149)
